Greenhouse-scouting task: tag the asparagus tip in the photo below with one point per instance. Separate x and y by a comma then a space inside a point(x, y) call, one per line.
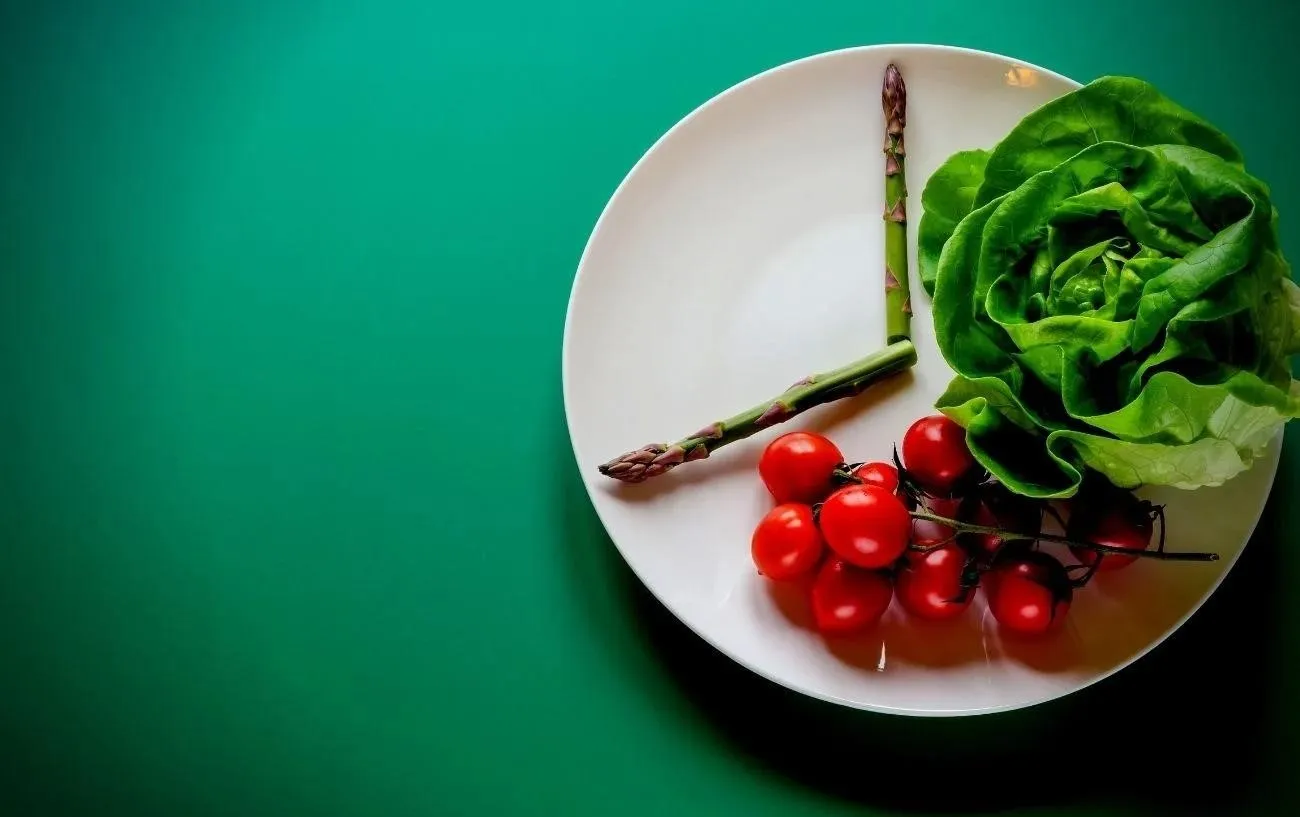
point(650, 461)
point(893, 97)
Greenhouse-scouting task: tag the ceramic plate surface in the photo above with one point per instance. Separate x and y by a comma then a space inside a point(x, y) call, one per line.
point(745, 250)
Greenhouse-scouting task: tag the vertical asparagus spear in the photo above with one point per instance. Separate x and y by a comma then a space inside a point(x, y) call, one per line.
point(814, 390)
point(898, 302)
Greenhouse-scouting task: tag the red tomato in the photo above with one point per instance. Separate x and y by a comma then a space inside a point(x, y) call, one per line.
point(786, 544)
point(1128, 531)
point(865, 525)
point(846, 599)
point(1031, 564)
point(797, 467)
point(930, 584)
point(935, 453)
point(878, 473)
point(1030, 593)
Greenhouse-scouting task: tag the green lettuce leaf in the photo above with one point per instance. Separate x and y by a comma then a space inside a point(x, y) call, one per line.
point(1199, 464)
point(1108, 287)
point(1110, 109)
point(947, 199)
point(1201, 437)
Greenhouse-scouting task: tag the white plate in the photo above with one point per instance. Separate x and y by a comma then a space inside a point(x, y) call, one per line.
point(743, 251)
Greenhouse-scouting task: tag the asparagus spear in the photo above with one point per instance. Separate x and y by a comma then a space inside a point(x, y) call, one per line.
point(898, 302)
point(814, 390)
point(846, 381)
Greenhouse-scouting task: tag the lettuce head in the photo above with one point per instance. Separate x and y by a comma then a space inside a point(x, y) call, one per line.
point(1109, 288)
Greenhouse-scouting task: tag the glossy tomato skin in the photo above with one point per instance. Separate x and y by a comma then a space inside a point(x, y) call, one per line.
point(1034, 565)
point(865, 525)
point(935, 454)
point(797, 467)
point(881, 474)
point(1027, 607)
point(930, 584)
point(1128, 531)
point(786, 543)
point(1029, 594)
point(846, 599)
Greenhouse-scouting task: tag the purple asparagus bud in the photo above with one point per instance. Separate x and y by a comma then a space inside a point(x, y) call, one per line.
point(651, 461)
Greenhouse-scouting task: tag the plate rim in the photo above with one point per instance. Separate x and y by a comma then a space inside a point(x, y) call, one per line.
point(587, 482)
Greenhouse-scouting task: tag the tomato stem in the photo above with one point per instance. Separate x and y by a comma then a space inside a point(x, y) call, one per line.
point(929, 547)
point(1159, 516)
point(970, 527)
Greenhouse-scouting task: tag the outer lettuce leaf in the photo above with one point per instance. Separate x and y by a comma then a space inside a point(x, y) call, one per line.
point(1221, 437)
point(1112, 298)
point(947, 199)
point(1014, 453)
point(1110, 109)
point(1203, 463)
point(1236, 435)
point(1291, 345)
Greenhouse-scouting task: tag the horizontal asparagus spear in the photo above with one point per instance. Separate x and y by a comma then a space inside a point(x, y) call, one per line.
point(814, 390)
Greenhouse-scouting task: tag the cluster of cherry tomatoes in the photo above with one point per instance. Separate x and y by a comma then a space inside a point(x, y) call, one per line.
point(857, 534)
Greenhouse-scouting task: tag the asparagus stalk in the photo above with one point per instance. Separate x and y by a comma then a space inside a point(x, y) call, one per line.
point(898, 301)
point(814, 390)
point(818, 389)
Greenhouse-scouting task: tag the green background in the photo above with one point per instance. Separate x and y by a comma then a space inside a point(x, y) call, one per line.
point(289, 523)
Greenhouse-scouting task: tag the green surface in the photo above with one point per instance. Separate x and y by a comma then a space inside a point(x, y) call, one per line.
point(261, 554)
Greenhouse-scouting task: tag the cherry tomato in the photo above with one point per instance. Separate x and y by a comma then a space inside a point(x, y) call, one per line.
point(935, 453)
point(930, 584)
point(1117, 529)
point(1030, 593)
point(865, 525)
point(786, 544)
point(878, 473)
point(1032, 564)
point(847, 599)
point(797, 467)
